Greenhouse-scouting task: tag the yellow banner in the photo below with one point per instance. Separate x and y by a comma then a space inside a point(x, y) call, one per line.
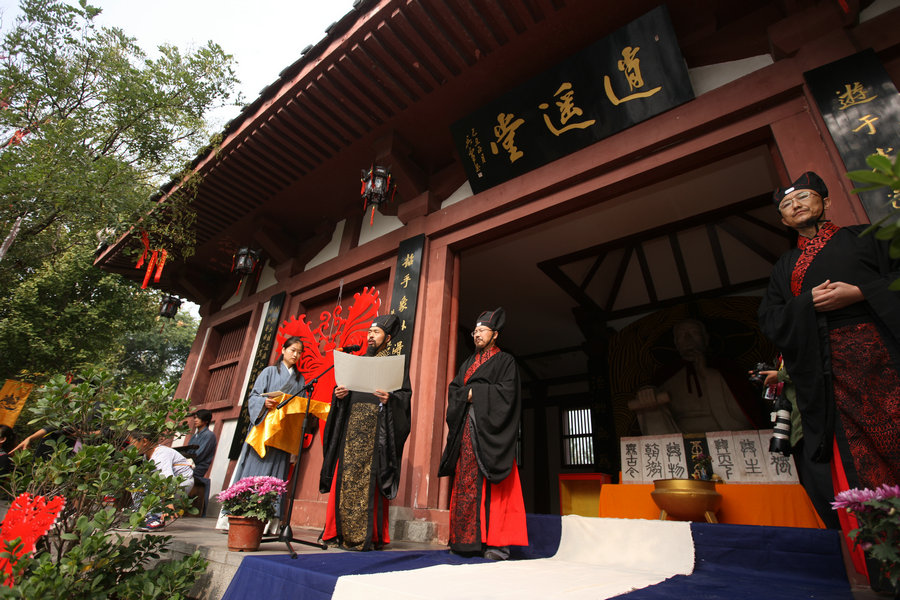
point(12, 399)
point(282, 427)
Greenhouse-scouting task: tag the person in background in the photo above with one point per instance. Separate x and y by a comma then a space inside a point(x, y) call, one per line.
point(170, 463)
point(814, 477)
point(205, 440)
point(7, 443)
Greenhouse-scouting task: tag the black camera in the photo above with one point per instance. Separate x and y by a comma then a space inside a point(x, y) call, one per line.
point(756, 375)
point(781, 426)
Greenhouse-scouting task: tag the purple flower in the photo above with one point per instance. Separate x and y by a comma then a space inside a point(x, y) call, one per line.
point(853, 499)
point(885, 491)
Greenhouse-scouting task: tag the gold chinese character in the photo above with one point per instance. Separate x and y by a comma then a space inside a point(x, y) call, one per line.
point(408, 261)
point(630, 65)
point(867, 122)
point(884, 153)
point(403, 325)
point(398, 348)
point(505, 132)
point(402, 306)
point(405, 281)
point(473, 148)
point(853, 95)
point(567, 110)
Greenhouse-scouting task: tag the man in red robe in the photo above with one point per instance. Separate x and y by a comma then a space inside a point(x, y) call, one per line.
point(484, 404)
point(830, 310)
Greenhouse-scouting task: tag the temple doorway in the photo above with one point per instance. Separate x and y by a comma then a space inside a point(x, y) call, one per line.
point(585, 293)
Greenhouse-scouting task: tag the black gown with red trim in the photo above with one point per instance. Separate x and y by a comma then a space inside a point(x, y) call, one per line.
point(845, 363)
point(486, 507)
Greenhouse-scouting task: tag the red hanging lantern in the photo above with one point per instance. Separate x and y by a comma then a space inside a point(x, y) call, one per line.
point(377, 188)
point(169, 305)
point(243, 263)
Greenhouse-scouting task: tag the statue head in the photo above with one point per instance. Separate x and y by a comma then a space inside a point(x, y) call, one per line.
point(691, 339)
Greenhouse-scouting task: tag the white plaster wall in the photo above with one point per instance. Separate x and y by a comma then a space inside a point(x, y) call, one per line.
point(876, 8)
point(382, 224)
point(236, 297)
point(267, 277)
point(220, 462)
point(330, 250)
point(464, 191)
point(707, 78)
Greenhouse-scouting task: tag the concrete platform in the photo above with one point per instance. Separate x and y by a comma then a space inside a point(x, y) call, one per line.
point(191, 533)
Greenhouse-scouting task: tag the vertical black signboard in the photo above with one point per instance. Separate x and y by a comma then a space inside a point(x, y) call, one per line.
point(405, 294)
point(260, 361)
point(633, 74)
point(860, 106)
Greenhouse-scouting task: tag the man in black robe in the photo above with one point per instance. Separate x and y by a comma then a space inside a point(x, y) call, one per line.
point(484, 405)
point(364, 437)
point(830, 312)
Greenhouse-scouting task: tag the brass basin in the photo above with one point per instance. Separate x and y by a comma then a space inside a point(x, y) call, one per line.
point(686, 499)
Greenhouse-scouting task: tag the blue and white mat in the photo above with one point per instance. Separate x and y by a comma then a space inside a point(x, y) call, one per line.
point(575, 558)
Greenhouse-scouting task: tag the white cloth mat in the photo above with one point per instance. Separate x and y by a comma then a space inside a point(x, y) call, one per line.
point(596, 559)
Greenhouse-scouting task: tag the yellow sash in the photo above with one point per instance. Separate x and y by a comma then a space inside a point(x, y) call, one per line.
point(282, 427)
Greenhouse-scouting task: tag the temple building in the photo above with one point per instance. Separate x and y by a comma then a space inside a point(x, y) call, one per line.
point(601, 170)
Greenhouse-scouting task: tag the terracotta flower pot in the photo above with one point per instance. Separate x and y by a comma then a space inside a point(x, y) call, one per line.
point(244, 533)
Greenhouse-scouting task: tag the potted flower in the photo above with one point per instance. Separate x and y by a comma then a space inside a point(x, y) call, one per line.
point(878, 514)
point(249, 503)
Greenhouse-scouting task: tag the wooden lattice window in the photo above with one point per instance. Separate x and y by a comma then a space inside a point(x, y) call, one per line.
point(577, 437)
point(223, 367)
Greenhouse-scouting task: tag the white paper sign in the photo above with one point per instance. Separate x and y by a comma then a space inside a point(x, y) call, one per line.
point(724, 455)
point(368, 373)
point(782, 469)
point(750, 456)
point(630, 448)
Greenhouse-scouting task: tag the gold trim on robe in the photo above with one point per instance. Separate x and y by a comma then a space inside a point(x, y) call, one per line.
point(282, 427)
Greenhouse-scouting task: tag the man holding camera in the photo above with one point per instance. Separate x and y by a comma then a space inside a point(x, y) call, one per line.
point(830, 311)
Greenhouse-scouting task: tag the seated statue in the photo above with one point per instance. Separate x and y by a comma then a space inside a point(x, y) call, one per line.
point(696, 395)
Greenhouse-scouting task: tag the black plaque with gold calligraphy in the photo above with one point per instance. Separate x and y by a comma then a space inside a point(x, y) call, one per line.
point(270, 323)
point(633, 74)
point(860, 105)
point(405, 294)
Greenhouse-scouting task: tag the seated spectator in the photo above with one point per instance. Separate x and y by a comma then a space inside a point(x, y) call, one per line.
point(7, 443)
point(169, 463)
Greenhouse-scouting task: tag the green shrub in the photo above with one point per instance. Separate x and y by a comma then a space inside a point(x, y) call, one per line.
point(82, 556)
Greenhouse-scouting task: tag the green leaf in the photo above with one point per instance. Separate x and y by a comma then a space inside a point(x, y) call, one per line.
point(871, 177)
point(879, 162)
point(868, 188)
point(886, 233)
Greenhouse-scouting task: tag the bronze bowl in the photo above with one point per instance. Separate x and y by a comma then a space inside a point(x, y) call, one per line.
point(686, 499)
